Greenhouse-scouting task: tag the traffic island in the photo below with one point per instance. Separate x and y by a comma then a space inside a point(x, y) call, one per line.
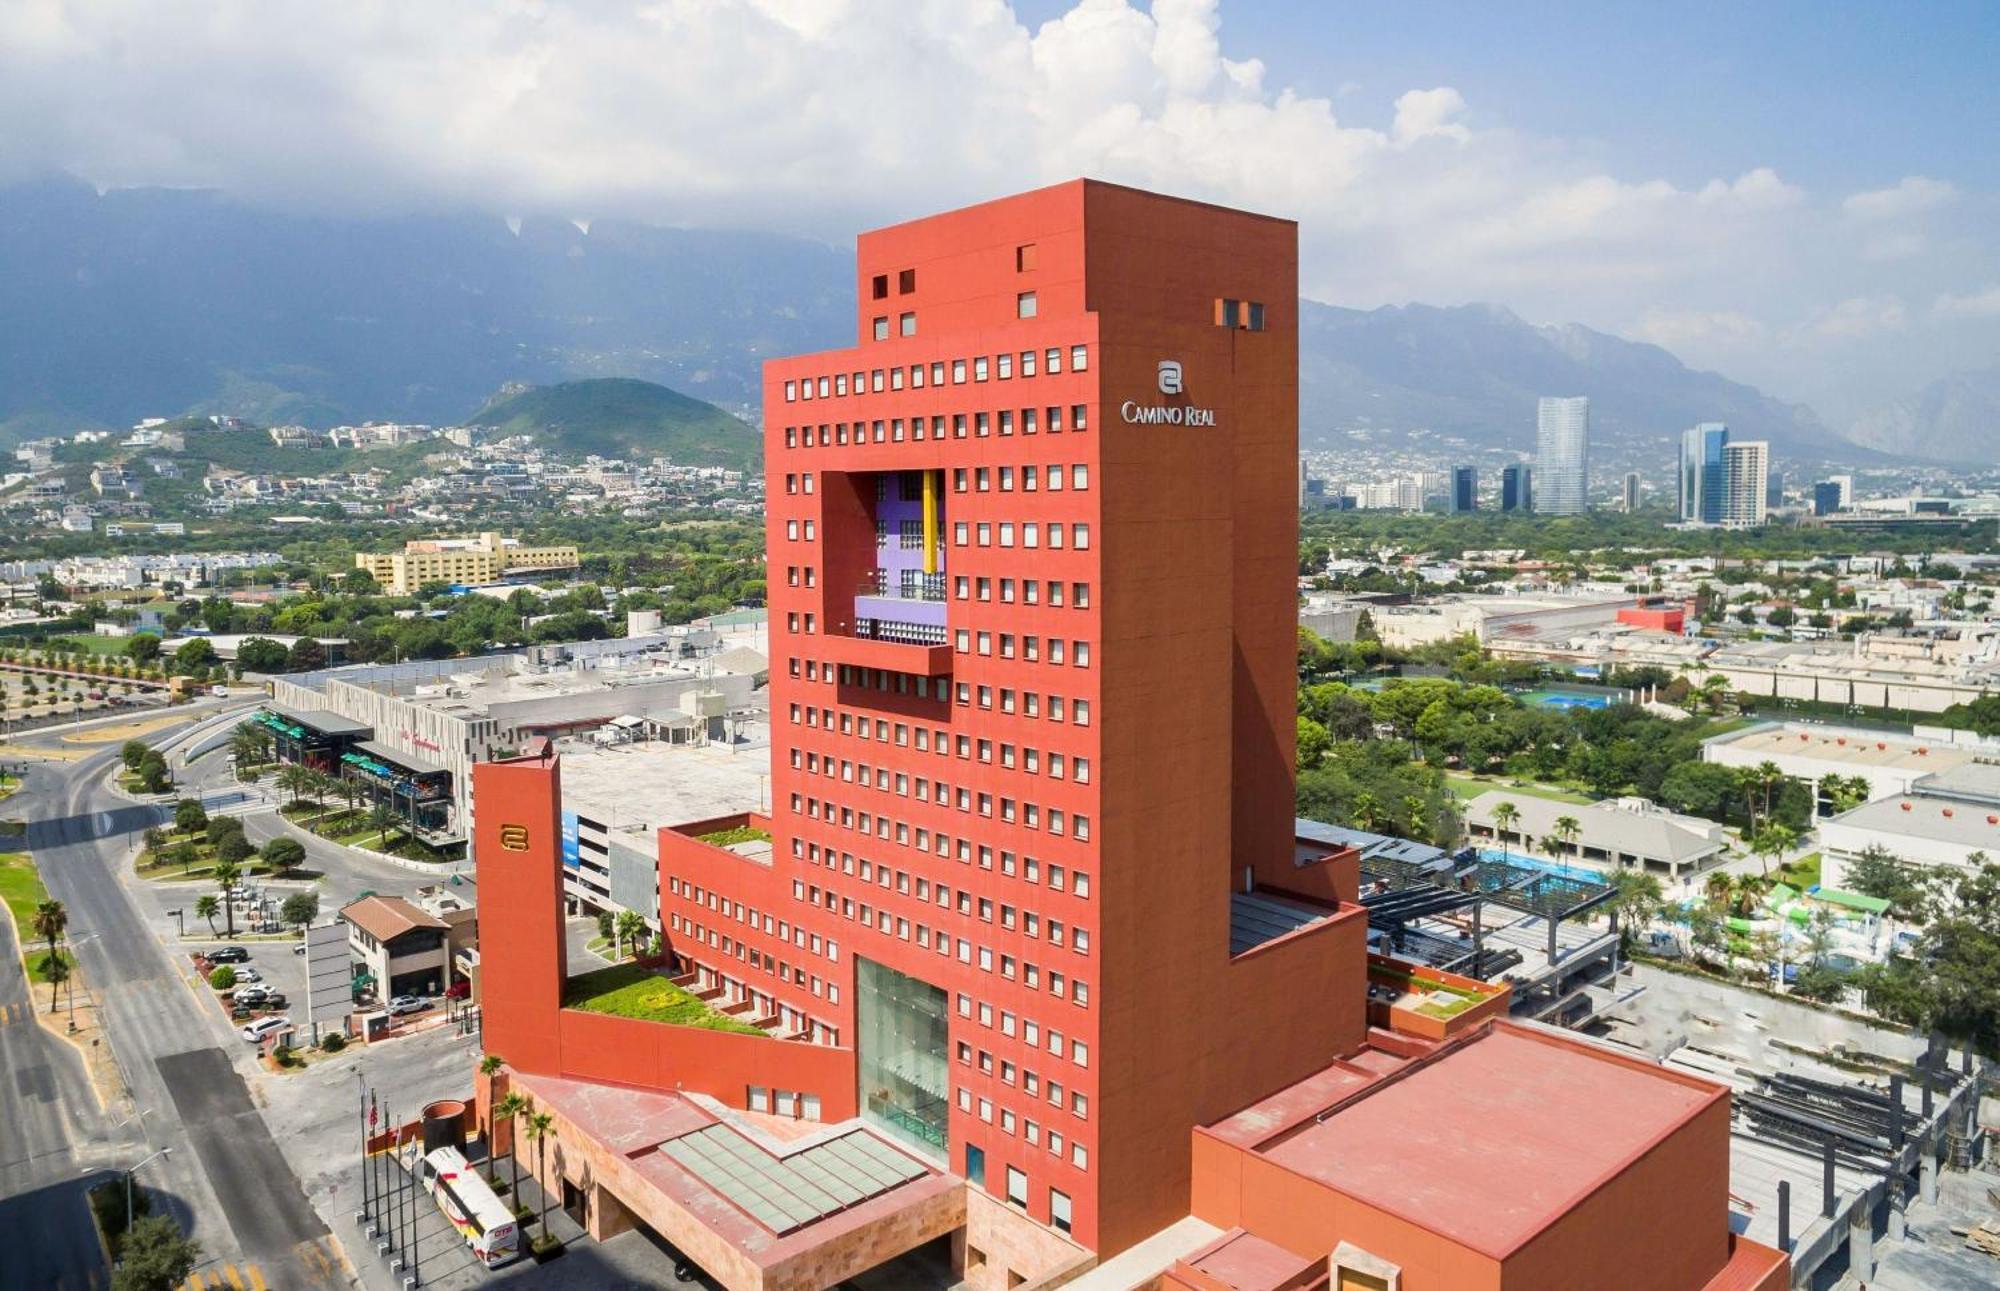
point(73, 1014)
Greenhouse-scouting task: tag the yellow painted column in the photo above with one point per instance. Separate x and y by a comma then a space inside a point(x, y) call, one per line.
point(931, 483)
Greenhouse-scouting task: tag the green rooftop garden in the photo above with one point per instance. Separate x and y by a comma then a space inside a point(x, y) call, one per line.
point(737, 834)
point(630, 991)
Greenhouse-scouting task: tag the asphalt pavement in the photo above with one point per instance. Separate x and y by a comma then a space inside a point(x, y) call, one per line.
point(82, 835)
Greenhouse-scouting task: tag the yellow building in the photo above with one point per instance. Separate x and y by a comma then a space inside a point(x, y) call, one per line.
point(485, 559)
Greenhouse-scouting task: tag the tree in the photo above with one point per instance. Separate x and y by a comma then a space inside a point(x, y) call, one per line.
point(1313, 742)
point(132, 753)
point(631, 927)
point(1821, 981)
point(142, 647)
point(207, 907)
point(1877, 873)
point(1770, 842)
point(1699, 788)
point(294, 778)
point(507, 1109)
point(491, 1064)
point(154, 1256)
point(234, 848)
point(55, 970)
point(284, 854)
point(541, 1126)
point(153, 774)
point(261, 654)
point(194, 655)
point(1365, 812)
point(306, 655)
point(380, 818)
point(50, 922)
point(222, 977)
point(1638, 898)
point(1951, 983)
point(1567, 828)
point(226, 873)
point(190, 816)
point(300, 908)
point(1505, 817)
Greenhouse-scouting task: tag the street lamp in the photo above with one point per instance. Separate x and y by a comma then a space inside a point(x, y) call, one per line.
point(128, 1182)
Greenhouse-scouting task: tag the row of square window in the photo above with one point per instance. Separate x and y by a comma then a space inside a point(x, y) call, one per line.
point(1027, 703)
point(1017, 1180)
point(1024, 1078)
point(821, 1032)
point(958, 425)
point(1026, 305)
point(988, 533)
point(1030, 975)
point(978, 479)
point(752, 957)
point(751, 917)
point(978, 368)
point(1007, 810)
point(903, 785)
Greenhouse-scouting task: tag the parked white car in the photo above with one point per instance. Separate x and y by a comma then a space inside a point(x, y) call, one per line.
point(262, 1027)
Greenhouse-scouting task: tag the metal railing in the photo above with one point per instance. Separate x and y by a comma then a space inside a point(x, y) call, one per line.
point(904, 585)
point(923, 634)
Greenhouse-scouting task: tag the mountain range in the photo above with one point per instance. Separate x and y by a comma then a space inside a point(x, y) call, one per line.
point(621, 417)
point(153, 302)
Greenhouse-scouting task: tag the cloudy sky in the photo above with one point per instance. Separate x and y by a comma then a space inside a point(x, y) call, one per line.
point(1800, 195)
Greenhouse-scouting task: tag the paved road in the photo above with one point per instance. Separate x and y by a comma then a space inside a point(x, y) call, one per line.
point(243, 1205)
point(45, 1230)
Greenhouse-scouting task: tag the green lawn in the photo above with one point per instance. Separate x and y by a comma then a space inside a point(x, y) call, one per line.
point(1468, 787)
point(22, 890)
point(1801, 874)
point(629, 991)
point(739, 834)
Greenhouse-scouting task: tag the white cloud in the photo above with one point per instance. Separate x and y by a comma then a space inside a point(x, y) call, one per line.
point(825, 116)
point(1979, 304)
point(1913, 196)
point(1859, 317)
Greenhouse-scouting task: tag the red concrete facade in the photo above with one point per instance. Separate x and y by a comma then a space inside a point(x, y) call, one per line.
point(1655, 619)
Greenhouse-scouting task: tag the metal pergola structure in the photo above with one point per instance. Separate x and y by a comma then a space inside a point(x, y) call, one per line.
point(1399, 893)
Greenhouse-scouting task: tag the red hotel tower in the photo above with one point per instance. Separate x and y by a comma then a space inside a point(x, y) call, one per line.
point(1032, 546)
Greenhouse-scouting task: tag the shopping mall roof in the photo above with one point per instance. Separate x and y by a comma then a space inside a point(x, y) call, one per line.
point(1469, 1143)
point(319, 719)
point(1849, 746)
point(1960, 822)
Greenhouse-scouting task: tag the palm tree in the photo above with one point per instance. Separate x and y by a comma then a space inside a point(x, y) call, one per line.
point(50, 922)
point(1769, 777)
point(349, 793)
point(540, 1126)
point(1774, 840)
point(380, 817)
point(1567, 828)
point(490, 1064)
point(294, 779)
point(508, 1109)
point(322, 784)
point(1505, 817)
point(226, 873)
point(245, 744)
point(57, 970)
point(630, 928)
point(206, 907)
point(1365, 812)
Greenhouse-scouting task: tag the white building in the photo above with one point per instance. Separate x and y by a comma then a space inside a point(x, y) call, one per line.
point(1945, 819)
point(1562, 456)
point(1623, 833)
point(1810, 752)
point(1746, 468)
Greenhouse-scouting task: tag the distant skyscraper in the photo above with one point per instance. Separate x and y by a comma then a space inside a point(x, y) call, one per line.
point(1774, 490)
point(1517, 491)
point(1562, 456)
point(1746, 468)
point(1702, 485)
point(1632, 485)
point(1846, 485)
point(1464, 489)
point(1825, 498)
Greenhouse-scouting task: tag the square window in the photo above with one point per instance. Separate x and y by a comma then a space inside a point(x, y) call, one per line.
point(1025, 257)
point(1024, 305)
point(878, 287)
point(882, 328)
point(907, 326)
point(906, 282)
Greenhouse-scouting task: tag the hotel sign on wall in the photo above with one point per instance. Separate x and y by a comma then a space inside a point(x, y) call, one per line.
point(514, 838)
point(1166, 414)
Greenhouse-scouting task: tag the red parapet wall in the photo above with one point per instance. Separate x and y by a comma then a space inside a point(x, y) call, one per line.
point(721, 1064)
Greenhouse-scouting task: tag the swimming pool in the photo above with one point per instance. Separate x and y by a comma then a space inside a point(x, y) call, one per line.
point(1582, 872)
point(1565, 699)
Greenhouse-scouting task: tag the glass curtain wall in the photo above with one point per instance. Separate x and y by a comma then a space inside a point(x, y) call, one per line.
point(905, 1081)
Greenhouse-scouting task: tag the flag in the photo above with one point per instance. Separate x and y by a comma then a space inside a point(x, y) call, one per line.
point(371, 1111)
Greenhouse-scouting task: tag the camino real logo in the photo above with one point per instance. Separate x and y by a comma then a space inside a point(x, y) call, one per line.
point(1172, 384)
point(514, 838)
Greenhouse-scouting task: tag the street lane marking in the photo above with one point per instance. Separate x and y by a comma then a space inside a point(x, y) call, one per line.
point(194, 1283)
point(256, 1278)
point(229, 1271)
